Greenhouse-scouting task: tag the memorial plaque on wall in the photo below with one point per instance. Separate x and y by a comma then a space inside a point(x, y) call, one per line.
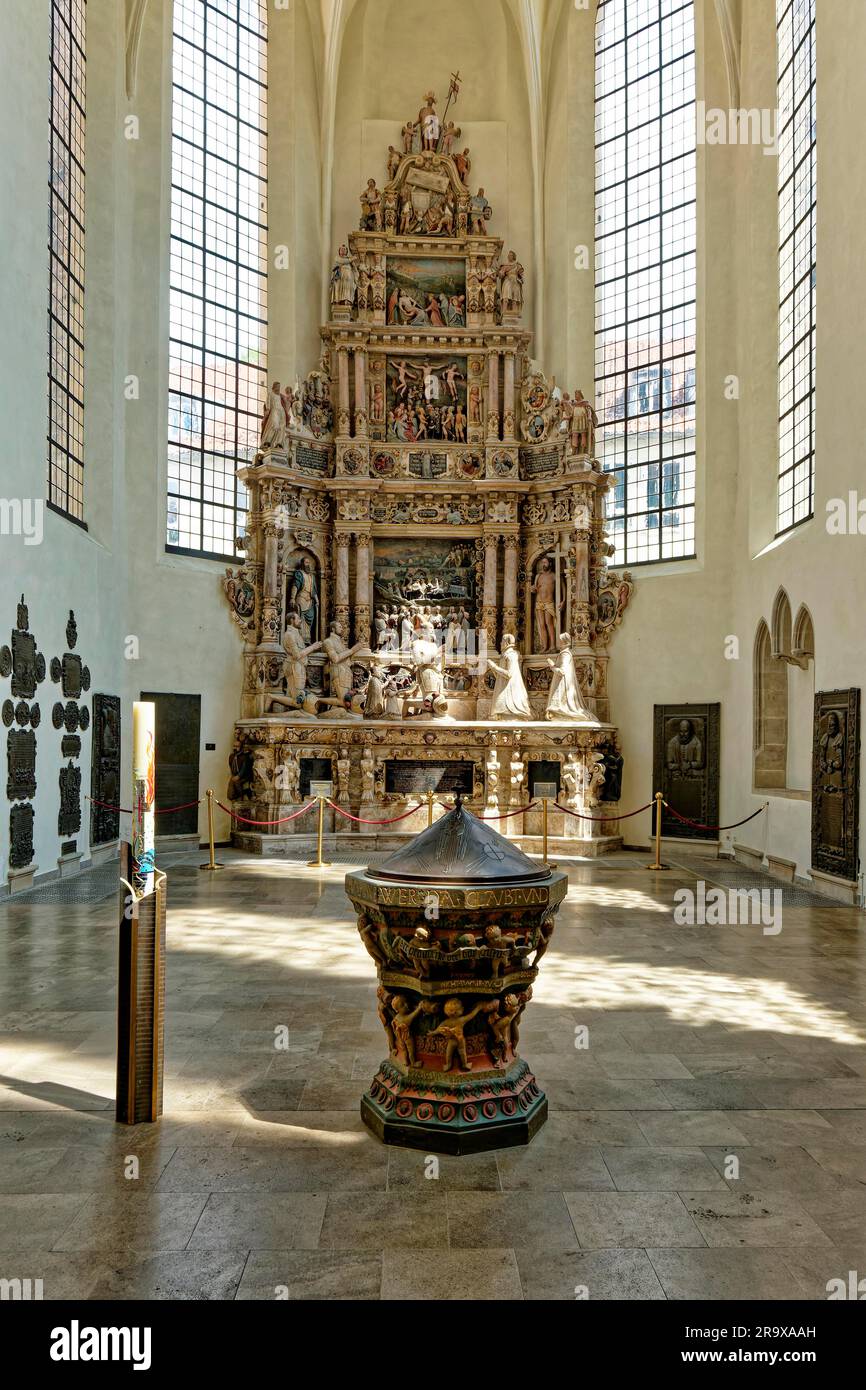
point(416, 776)
point(836, 782)
point(686, 767)
point(314, 770)
point(105, 770)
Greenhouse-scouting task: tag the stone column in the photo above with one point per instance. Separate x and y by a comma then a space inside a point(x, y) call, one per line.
point(509, 585)
point(362, 587)
point(360, 393)
point(343, 416)
point(508, 398)
point(581, 536)
point(270, 579)
point(493, 396)
point(488, 609)
point(341, 581)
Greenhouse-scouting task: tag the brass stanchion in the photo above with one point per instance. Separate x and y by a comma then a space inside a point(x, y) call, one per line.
point(430, 808)
point(544, 831)
point(319, 862)
point(211, 863)
point(658, 859)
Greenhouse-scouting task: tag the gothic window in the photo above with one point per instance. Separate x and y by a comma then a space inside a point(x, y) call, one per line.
point(66, 261)
point(218, 287)
point(645, 274)
point(797, 228)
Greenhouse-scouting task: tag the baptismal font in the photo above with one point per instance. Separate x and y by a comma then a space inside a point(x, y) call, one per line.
point(425, 601)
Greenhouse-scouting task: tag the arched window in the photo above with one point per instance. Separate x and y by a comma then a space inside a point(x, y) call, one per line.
point(797, 260)
point(784, 691)
point(66, 261)
point(218, 288)
point(645, 273)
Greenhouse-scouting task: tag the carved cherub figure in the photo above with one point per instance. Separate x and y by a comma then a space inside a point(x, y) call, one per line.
point(452, 1027)
point(371, 937)
point(384, 999)
point(401, 1023)
point(523, 999)
point(500, 1020)
point(494, 938)
point(422, 945)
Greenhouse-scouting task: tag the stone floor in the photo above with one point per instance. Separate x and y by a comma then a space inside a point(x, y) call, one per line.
point(708, 1047)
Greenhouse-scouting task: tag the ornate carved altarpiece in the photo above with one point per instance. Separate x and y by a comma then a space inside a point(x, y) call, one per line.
point(425, 479)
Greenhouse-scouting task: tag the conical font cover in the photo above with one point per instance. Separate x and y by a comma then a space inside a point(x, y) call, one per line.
point(460, 848)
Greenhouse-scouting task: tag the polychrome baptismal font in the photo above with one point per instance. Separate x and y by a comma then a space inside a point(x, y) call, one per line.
point(457, 923)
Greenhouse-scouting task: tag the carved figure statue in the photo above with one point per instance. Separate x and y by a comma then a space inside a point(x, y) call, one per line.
point(262, 784)
point(510, 276)
point(374, 698)
point(500, 1020)
point(572, 777)
point(684, 754)
point(340, 668)
point(427, 660)
point(452, 1027)
point(371, 208)
point(394, 157)
point(295, 664)
point(583, 424)
point(240, 783)
point(289, 778)
point(368, 775)
point(428, 123)
point(563, 698)
point(594, 775)
point(383, 999)
point(371, 935)
point(274, 419)
point(304, 597)
point(344, 278)
point(505, 946)
point(510, 700)
point(479, 212)
point(492, 770)
point(463, 165)
point(401, 1022)
point(408, 135)
point(344, 769)
point(545, 615)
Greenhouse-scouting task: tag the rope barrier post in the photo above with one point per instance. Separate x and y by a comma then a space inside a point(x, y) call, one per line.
point(319, 862)
point(211, 864)
point(430, 796)
point(544, 831)
point(658, 859)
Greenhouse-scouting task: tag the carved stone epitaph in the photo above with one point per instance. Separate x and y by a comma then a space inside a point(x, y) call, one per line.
point(836, 783)
point(26, 665)
point(105, 770)
point(686, 767)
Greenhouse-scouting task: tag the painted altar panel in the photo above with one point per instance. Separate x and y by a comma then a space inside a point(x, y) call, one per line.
point(836, 782)
point(426, 398)
point(427, 291)
point(686, 767)
point(433, 573)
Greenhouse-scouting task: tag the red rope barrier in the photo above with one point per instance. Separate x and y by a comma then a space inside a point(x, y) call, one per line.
point(362, 820)
point(698, 825)
point(246, 820)
point(621, 815)
point(160, 811)
point(507, 814)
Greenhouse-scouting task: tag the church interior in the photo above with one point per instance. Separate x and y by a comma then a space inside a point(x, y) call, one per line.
point(429, 861)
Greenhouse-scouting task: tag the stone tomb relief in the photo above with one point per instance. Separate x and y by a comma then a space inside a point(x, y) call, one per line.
point(425, 578)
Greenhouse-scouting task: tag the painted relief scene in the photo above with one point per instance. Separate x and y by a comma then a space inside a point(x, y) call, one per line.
point(424, 587)
point(426, 399)
point(427, 292)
